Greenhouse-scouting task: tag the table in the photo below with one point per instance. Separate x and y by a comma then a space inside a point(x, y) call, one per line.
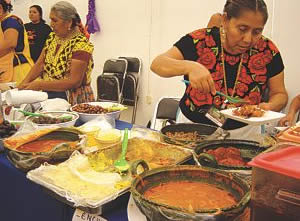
point(21, 199)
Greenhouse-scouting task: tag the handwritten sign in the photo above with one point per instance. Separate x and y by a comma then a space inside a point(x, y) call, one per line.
point(80, 215)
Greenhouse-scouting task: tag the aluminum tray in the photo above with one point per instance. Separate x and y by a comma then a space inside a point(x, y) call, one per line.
point(175, 154)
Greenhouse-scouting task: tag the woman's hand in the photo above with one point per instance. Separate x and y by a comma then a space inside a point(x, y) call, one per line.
point(22, 85)
point(200, 77)
point(172, 63)
point(287, 120)
point(35, 85)
point(265, 106)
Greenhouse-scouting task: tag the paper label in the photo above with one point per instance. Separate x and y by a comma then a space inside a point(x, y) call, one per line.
point(215, 116)
point(80, 215)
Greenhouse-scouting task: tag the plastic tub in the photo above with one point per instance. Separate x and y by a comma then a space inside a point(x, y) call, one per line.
point(275, 191)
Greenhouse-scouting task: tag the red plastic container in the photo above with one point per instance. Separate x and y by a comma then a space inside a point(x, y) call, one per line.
point(275, 190)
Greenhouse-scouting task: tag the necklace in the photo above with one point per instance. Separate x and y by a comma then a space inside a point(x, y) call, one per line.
point(224, 71)
point(61, 41)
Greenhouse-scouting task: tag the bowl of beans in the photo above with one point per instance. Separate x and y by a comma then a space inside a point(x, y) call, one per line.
point(92, 110)
point(54, 118)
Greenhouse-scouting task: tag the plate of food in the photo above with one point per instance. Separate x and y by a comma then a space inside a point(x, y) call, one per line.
point(252, 114)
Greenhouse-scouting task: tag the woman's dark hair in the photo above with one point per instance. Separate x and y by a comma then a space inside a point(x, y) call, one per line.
point(234, 8)
point(7, 7)
point(76, 21)
point(40, 10)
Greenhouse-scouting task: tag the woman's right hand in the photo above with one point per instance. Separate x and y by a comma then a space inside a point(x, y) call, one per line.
point(287, 120)
point(200, 78)
point(22, 85)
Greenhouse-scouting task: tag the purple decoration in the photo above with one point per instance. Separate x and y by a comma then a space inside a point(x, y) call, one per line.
point(91, 20)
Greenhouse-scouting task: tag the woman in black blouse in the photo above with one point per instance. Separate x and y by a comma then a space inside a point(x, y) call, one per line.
point(235, 59)
point(37, 31)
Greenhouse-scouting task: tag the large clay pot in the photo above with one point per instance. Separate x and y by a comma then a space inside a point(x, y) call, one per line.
point(156, 211)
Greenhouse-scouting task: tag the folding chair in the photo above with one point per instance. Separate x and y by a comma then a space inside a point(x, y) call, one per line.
point(165, 109)
point(111, 82)
point(131, 84)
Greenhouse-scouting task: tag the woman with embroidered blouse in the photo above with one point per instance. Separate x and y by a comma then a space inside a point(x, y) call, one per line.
point(64, 67)
point(235, 59)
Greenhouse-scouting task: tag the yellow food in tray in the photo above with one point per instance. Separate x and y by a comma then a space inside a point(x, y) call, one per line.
point(84, 184)
point(99, 162)
point(155, 153)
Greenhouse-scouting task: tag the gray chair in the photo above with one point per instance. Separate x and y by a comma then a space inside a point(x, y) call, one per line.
point(111, 82)
point(131, 84)
point(166, 109)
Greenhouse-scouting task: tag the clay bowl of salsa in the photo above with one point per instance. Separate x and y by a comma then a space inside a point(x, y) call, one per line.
point(53, 147)
point(204, 194)
point(228, 154)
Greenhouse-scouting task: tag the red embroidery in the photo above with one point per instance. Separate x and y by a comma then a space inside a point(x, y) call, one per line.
point(200, 99)
point(206, 57)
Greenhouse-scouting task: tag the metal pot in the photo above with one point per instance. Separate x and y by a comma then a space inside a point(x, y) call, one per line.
point(156, 211)
point(204, 132)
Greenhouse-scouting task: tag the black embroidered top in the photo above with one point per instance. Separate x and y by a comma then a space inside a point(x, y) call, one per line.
point(260, 63)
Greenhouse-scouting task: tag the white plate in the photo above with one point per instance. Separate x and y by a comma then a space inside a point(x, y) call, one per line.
point(269, 116)
point(133, 212)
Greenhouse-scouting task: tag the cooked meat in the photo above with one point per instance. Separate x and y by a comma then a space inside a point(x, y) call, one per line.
point(249, 111)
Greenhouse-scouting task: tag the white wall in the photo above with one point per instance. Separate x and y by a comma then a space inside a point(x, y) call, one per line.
point(286, 35)
point(145, 28)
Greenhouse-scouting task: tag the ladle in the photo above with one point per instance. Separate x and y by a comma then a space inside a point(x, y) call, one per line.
point(122, 165)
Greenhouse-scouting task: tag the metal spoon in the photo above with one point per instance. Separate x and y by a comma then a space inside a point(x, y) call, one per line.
point(122, 165)
point(229, 98)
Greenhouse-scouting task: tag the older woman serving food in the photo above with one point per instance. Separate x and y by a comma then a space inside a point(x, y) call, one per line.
point(235, 59)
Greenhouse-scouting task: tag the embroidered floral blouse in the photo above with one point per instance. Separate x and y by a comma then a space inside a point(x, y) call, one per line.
point(58, 56)
point(260, 63)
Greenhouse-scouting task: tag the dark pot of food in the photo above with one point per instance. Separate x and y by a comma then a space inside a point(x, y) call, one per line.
point(6, 130)
point(228, 154)
point(51, 145)
point(190, 134)
point(204, 194)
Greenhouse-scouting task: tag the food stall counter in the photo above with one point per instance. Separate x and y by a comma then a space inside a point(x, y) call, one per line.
point(22, 199)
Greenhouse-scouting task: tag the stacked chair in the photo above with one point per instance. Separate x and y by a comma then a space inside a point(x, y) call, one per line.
point(119, 82)
point(165, 111)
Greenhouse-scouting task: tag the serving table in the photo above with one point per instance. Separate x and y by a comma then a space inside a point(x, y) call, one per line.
point(21, 199)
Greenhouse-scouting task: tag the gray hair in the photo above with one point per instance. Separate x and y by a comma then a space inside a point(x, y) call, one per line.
point(67, 12)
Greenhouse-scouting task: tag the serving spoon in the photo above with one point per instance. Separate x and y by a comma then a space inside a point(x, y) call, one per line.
point(122, 165)
point(230, 99)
